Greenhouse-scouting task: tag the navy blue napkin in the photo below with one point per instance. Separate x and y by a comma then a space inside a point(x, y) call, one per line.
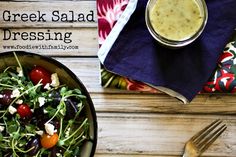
point(136, 55)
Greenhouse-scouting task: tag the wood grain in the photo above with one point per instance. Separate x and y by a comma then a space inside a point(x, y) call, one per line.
point(159, 135)
point(129, 155)
point(162, 103)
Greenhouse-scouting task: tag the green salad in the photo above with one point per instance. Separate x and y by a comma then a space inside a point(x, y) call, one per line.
point(39, 116)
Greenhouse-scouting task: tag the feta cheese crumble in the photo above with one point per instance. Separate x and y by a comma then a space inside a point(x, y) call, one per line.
point(2, 128)
point(20, 71)
point(19, 101)
point(58, 154)
point(55, 80)
point(45, 111)
point(15, 93)
point(40, 132)
point(49, 128)
point(47, 86)
point(41, 101)
point(12, 109)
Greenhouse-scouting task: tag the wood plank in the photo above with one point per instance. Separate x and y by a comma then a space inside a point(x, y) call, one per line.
point(86, 69)
point(47, 8)
point(162, 103)
point(159, 135)
point(130, 155)
point(73, 42)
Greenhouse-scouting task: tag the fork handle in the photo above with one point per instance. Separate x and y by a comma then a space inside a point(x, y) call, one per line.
point(189, 151)
point(188, 155)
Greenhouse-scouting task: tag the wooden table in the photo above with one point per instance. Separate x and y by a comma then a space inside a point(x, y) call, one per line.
point(131, 124)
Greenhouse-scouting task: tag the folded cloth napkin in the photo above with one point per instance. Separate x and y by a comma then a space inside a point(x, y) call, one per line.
point(130, 51)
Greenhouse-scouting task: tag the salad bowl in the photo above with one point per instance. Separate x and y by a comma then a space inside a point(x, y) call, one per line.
point(61, 110)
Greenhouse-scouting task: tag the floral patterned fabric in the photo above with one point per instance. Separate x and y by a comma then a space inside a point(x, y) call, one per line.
point(109, 12)
point(222, 80)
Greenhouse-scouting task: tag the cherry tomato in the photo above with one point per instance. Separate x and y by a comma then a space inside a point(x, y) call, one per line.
point(24, 111)
point(39, 73)
point(6, 97)
point(48, 141)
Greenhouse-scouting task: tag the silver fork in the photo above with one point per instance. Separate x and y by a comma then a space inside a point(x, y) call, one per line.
point(203, 139)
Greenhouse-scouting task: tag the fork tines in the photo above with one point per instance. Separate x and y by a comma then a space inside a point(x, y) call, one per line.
point(208, 135)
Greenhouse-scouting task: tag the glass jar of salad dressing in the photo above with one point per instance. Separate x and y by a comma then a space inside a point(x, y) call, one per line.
point(176, 23)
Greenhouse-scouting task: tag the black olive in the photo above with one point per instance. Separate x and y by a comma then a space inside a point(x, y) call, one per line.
point(71, 109)
point(55, 150)
point(38, 112)
point(2, 107)
point(39, 118)
point(35, 143)
point(56, 123)
point(56, 98)
point(41, 121)
point(5, 99)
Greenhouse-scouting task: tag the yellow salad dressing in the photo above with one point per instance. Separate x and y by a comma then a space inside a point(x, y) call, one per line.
point(176, 19)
